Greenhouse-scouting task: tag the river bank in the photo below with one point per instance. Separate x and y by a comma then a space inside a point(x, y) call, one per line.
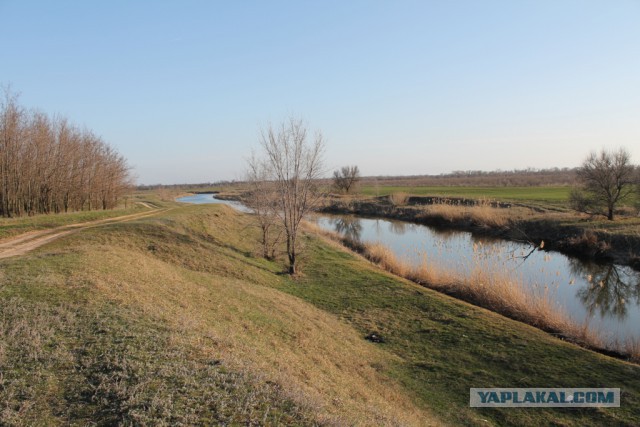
point(553, 292)
point(570, 234)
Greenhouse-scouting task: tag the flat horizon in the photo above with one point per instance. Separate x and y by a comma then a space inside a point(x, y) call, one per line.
point(402, 88)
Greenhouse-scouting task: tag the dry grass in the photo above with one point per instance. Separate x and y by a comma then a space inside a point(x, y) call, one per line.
point(317, 361)
point(28, 342)
point(589, 242)
point(398, 198)
point(491, 287)
point(171, 321)
point(632, 348)
point(482, 214)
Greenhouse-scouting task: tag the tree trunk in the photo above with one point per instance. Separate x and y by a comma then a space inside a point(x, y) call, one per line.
point(265, 242)
point(291, 252)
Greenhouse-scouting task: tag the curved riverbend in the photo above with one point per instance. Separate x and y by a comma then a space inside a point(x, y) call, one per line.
point(605, 296)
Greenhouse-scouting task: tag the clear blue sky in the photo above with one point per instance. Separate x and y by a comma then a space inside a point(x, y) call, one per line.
point(181, 88)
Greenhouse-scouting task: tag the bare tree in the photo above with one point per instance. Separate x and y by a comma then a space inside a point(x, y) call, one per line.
point(293, 160)
point(607, 179)
point(49, 165)
point(346, 178)
point(263, 201)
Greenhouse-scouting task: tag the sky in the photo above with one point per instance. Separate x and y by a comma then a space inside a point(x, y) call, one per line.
point(182, 88)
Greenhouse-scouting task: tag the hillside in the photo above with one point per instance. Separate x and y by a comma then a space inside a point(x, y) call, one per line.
point(171, 319)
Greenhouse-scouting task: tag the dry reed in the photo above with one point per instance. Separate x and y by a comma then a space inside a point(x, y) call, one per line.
point(398, 198)
point(490, 287)
point(482, 213)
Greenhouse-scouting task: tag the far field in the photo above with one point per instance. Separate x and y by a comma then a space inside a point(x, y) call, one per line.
point(555, 195)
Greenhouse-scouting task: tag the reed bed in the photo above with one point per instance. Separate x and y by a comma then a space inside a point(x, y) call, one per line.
point(399, 198)
point(482, 214)
point(493, 287)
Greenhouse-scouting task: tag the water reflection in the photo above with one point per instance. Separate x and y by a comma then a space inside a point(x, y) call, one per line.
point(397, 227)
point(349, 227)
point(609, 290)
point(607, 295)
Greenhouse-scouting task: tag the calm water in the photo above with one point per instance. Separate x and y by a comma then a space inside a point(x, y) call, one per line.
point(200, 199)
point(605, 296)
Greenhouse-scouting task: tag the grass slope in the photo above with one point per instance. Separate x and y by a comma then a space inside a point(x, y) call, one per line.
point(167, 321)
point(138, 202)
point(173, 320)
point(447, 347)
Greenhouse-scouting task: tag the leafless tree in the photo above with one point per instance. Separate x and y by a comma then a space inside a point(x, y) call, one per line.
point(293, 161)
point(607, 179)
point(346, 178)
point(47, 165)
point(263, 201)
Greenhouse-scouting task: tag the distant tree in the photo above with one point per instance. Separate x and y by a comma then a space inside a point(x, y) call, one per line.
point(293, 163)
point(607, 178)
point(346, 178)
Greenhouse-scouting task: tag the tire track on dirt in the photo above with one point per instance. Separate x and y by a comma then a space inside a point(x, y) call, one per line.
point(27, 242)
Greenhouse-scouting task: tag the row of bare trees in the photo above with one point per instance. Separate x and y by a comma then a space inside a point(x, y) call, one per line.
point(499, 178)
point(48, 165)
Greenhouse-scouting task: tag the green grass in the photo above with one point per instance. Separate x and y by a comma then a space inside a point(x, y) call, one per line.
point(173, 319)
point(551, 194)
point(169, 321)
point(71, 355)
point(14, 226)
point(447, 347)
point(18, 225)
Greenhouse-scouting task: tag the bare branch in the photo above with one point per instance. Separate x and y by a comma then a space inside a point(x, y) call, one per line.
point(291, 167)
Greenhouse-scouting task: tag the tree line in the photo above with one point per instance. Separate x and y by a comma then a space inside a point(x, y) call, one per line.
point(513, 178)
point(49, 165)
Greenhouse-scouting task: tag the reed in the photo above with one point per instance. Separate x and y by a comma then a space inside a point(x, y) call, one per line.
point(398, 198)
point(632, 348)
point(492, 287)
point(481, 214)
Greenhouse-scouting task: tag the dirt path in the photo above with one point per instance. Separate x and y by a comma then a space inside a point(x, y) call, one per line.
point(148, 205)
point(27, 242)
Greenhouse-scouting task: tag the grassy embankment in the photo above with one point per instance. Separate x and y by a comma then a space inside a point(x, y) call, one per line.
point(138, 202)
point(173, 319)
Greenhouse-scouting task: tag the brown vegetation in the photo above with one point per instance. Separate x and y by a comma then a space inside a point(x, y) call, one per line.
point(481, 213)
point(490, 287)
point(262, 199)
point(515, 178)
point(607, 179)
point(566, 232)
point(398, 198)
point(47, 165)
point(346, 178)
point(292, 164)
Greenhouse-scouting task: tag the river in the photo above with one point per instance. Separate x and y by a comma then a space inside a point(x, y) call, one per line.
point(606, 296)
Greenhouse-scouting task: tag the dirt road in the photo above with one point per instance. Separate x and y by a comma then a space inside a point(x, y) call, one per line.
point(27, 242)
